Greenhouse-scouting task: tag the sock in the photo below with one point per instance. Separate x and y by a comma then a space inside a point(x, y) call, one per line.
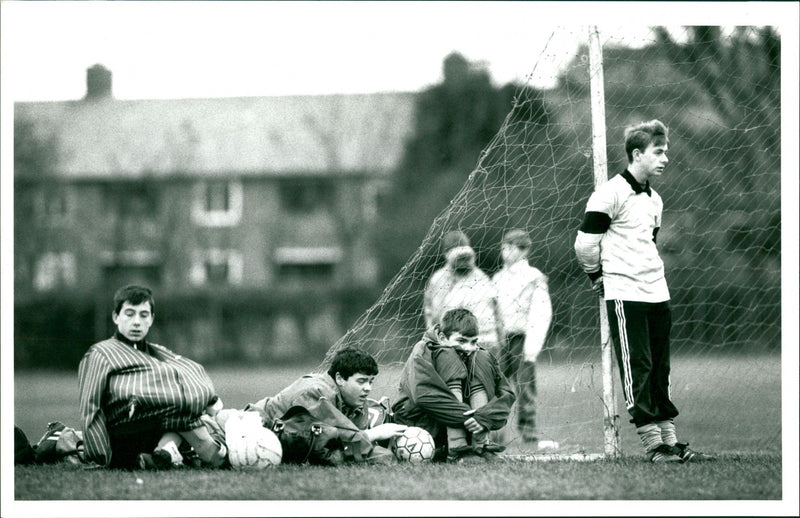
point(650, 435)
point(668, 435)
point(478, 398)
point(456, 437)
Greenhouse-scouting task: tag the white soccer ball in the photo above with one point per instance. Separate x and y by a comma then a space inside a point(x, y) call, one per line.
point(250, 445)
point(415, 445)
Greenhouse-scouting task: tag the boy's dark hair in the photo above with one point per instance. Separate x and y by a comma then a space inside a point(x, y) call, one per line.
point(349, 361)
point(459, 320)
point(134, 295)
point(643, 134)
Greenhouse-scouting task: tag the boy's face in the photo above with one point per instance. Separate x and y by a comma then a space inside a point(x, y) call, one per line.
point(460, 342)
point(511, 253)
point(653, 160)
point(133, 322)
point(355, 389)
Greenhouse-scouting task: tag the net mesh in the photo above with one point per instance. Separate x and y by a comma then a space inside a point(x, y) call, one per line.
point(718, 90)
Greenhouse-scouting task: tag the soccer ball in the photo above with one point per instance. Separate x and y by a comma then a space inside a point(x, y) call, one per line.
point(250, 445)
point(415, 445)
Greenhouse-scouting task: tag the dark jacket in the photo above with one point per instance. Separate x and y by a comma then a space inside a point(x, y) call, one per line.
point(426, 401)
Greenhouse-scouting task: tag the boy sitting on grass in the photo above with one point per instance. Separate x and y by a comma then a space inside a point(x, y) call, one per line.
point(454, 389)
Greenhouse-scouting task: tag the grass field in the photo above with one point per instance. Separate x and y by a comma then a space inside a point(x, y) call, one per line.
point(744, 472)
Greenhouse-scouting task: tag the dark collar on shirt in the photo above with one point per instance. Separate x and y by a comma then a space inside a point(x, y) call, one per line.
point(347, 410)
point(141, 345)
point(636, 186)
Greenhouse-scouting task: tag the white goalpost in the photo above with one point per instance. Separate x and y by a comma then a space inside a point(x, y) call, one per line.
point(611, 446)
point(718, 90)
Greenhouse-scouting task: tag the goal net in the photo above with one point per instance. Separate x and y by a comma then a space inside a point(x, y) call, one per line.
point(718, 91)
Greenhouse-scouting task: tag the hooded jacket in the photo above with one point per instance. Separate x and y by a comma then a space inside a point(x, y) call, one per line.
point(426, 401)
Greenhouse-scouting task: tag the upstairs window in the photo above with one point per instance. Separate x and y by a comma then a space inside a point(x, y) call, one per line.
point(138, 202)
point(218, 196)
point(54, 205)
point(305, 195)
point(218, 203)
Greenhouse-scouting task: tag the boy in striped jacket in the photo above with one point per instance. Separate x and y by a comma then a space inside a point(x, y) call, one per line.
point(139, 399)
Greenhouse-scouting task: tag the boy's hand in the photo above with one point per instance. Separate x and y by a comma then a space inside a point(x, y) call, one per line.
point(385, 431)
point(597, 287)
point(471, 424)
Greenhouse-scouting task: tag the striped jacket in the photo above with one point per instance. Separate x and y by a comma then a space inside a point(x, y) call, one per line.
point(122, 386)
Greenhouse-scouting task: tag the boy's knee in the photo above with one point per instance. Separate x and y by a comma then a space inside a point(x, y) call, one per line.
point(211, 450)
point(483, 357)
point(449, 366)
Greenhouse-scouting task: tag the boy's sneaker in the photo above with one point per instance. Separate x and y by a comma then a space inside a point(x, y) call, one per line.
point(490, 456)
point(687, 454)
point(663, 453)
point(156, 461)
point(490, 447)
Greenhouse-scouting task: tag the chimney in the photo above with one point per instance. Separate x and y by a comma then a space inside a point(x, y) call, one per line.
point(98, 82)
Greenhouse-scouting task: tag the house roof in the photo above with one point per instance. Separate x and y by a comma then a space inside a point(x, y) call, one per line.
point(245, 136)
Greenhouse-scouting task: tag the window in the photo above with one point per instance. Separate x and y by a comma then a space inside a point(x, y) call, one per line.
point(138, 202)
point(54, 204)
point(216, 267)
point(218, 203)
point(54, 270)
point(217, 197)
point(305, 195)
point(131, 199)
point(300, 264)
point(306, 272)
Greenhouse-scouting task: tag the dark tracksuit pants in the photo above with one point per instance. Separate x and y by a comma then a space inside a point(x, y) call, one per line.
point(514, 367)
point(640, 331)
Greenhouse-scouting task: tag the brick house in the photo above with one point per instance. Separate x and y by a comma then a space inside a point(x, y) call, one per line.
point(271, 198)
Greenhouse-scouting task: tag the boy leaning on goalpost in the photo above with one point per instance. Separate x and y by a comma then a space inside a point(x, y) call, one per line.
point(616, 247)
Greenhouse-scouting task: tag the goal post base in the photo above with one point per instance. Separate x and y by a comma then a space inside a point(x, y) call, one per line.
point(550, 457)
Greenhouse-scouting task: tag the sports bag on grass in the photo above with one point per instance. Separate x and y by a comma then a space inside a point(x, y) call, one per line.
point(320, 434)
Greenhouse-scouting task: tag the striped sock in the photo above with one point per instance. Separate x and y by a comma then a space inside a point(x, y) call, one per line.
point(650, 435)
point(668, 435)
point(456, 437)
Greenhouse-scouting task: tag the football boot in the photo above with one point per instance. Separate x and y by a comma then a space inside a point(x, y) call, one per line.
point(663, 453)
point(687, 454)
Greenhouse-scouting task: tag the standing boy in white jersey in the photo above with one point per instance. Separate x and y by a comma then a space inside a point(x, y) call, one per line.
point(616, 247)
point(523, 298)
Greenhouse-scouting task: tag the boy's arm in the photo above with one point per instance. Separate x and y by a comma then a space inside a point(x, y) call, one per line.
point(600, 209)
point(93, 374)
point(540, 314)
point(431, 394)
point(428, 308)
point(494, 414)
